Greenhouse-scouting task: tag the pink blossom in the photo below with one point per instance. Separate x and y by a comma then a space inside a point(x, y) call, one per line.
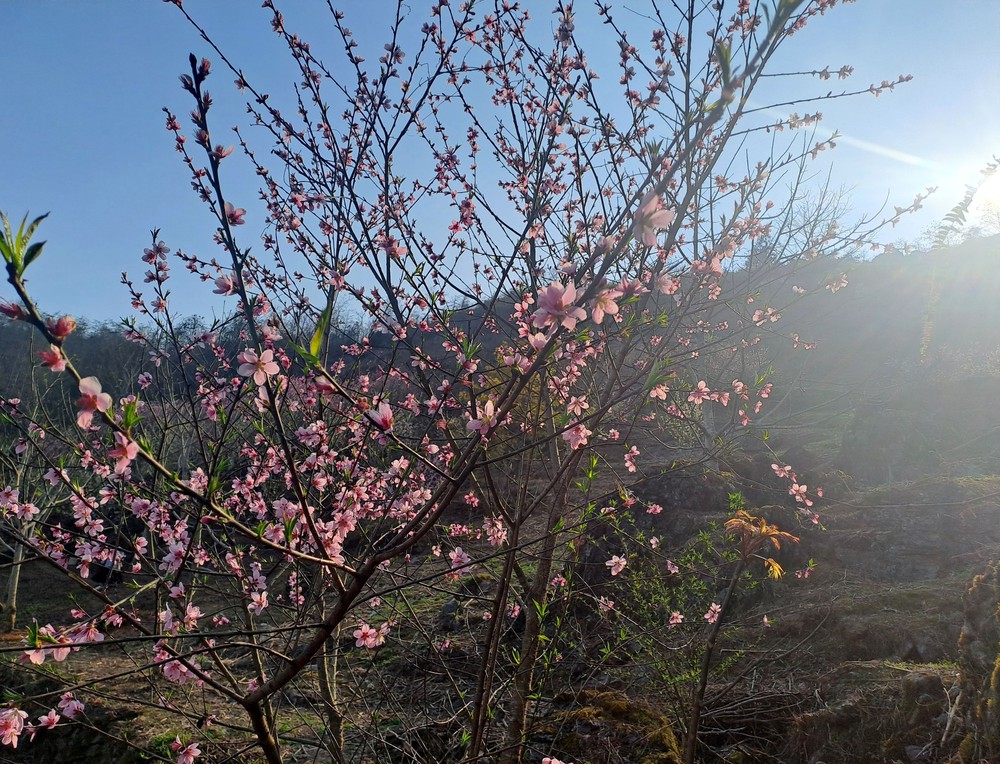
point(61, 327)
point(258, 601)
point(700, 393)
point(91, 401)
point(537, 340)
point(366, 636)
point(176, 672)
point(235, 214)
point(604, 304)
point(53, 477)
point(616, 564)
point(46, 647)
point(459, 558)
point(381, 417)
point(799, 492)
point(124, 452)
point(393, 248)
point(714, 611)
point(667, 284)
point(26, 511)
point(225, 285)
point(53, 359)
point(486, 421)
point(760, 317)
point(495, 530)
point(576, 436)
point(836, 286)
point(191, 615)
point(70, 706)
point(633, 452)
point(270, 333)
point(11, 725)
point(260, 367)
point(676, 618)
point(650, 217)
point(8, 497)
point(556, 308)
point(186, 754)
point(49, 720)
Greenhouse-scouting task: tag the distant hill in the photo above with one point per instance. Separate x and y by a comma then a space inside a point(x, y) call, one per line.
point(906, 367)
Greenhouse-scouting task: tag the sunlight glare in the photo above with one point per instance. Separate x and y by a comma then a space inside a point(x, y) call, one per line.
point(987, 197)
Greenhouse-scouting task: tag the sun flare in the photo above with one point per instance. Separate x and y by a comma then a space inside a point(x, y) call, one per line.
point(987, 196)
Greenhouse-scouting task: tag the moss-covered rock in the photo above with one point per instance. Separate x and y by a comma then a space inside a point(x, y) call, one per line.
point(612, 728)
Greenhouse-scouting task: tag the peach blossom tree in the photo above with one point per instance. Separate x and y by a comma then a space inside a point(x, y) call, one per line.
point(564, 279)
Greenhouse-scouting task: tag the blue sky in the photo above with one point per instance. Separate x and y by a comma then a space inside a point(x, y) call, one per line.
point(83, 135)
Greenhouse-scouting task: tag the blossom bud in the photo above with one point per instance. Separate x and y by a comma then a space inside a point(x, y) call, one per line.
point(11, 310)
point(62, 327)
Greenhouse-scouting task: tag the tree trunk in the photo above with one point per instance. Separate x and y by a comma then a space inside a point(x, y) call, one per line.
point(517, 722)
point(326, 666)
point(10, 601)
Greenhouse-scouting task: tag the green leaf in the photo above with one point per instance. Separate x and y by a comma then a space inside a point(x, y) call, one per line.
point(9, 234)
point(316, 343)
point(541, 608)
point(723, 55)
point(34, 224)
point(32, 253)
point(305, 355)
point(130, 415)
point(14, 247)
point(470, 349)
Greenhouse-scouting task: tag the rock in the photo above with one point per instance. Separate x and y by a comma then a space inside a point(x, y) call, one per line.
point(447, 619)
point(601, 723)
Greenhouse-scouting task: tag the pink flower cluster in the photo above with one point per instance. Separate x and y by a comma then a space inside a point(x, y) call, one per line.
point(92, 400)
